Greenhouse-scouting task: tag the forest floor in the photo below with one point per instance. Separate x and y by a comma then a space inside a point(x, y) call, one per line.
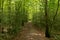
point(30, 32)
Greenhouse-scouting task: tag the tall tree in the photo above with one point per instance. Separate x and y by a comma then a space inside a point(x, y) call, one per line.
point(1, 13)
point(54, 17)
point(47, 33)
point(56, 11)
point(9, 11)
point(1, 9)
point(17, 12)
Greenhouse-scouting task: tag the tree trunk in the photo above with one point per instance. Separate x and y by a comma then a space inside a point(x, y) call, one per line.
point(56, 11)
point(1, 14)
point(47, 33)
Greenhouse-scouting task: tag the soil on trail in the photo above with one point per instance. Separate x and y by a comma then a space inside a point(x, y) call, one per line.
point(29, 32)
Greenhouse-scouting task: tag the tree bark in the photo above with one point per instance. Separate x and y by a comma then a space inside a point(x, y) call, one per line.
point(47, 33)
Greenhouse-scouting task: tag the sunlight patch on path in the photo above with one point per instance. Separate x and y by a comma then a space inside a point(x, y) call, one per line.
point(35, 34)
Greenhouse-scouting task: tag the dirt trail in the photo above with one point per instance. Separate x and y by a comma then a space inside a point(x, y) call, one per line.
point(30, 33)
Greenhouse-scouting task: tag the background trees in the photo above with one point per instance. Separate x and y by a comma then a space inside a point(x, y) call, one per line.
point(43, 13)
point(50, 18)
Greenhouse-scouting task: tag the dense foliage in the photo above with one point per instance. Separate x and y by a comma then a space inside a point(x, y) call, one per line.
point(45, 14)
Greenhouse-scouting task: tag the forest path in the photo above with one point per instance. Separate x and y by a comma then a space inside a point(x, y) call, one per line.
point(29, 32)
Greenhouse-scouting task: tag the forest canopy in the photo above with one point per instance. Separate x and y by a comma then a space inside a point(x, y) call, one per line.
point(44, 14)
